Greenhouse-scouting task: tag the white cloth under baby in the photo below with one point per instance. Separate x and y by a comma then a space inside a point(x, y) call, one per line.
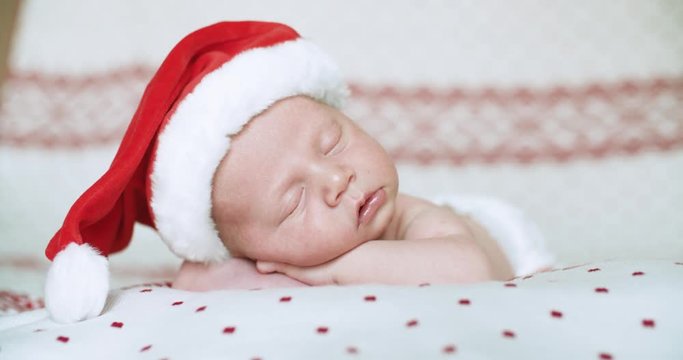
point(518, 236)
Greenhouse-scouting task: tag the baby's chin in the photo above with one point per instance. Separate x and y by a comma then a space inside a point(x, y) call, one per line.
point(382, 227)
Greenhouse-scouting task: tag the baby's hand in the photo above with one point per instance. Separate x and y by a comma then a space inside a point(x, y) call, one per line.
point(351, 267)
point(324, 274)
point(234, 273)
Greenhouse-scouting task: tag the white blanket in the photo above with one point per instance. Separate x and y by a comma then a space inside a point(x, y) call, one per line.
point(612, 310)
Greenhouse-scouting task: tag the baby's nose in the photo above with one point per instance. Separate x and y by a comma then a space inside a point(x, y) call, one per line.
point(336, 182)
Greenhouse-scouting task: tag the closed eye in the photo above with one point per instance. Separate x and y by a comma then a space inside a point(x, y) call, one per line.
point(296, 202)
point(332, 145)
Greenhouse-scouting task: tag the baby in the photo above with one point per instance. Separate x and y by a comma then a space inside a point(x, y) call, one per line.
point(240, 159)
point(326, 209)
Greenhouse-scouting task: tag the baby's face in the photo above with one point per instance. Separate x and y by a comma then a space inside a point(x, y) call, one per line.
point(302, 184)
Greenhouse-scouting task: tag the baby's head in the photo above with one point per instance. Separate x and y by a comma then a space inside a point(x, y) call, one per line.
point(302, 184)
point(287, 188)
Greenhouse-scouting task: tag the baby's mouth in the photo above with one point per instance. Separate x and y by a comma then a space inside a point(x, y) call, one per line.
point(371, 204)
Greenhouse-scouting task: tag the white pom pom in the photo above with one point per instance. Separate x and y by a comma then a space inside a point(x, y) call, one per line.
point(77, 284)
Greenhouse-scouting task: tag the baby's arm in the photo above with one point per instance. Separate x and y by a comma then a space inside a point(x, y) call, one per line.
point(448, 259)
point(439, 247)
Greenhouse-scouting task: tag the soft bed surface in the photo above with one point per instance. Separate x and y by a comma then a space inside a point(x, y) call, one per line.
point(610, 310)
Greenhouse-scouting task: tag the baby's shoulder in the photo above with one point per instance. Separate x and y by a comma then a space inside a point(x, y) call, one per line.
point(420, 218)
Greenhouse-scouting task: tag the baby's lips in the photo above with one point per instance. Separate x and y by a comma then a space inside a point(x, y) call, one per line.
point(372, 204)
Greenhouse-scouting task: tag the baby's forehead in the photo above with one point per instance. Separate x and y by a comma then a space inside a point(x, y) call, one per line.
point(292, 125)
point(297, 104)
point(302, 101)
point(299, 112)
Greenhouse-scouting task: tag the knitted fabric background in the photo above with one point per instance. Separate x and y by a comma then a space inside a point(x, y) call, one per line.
point(572, 111)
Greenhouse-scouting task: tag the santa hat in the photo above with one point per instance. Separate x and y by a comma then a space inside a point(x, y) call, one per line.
point(209, 86)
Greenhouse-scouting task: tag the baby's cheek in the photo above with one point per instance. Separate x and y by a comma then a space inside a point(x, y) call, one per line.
point(315, 250)
point(313, 244)
point(233, 248)
point(282, 250)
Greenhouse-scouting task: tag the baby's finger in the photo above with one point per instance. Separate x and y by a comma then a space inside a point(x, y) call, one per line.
point(312, 275)
point(266, 267)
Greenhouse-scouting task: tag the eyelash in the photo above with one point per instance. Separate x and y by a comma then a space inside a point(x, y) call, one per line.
point(298, 202)
point(336, 141)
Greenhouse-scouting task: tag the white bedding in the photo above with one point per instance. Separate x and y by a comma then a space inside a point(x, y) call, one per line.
point(611, 310)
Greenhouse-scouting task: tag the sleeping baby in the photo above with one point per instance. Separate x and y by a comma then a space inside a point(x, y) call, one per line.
point(240, 158)
point(306, 193)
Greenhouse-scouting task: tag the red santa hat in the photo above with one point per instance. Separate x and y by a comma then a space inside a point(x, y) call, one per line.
point(209, 86)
